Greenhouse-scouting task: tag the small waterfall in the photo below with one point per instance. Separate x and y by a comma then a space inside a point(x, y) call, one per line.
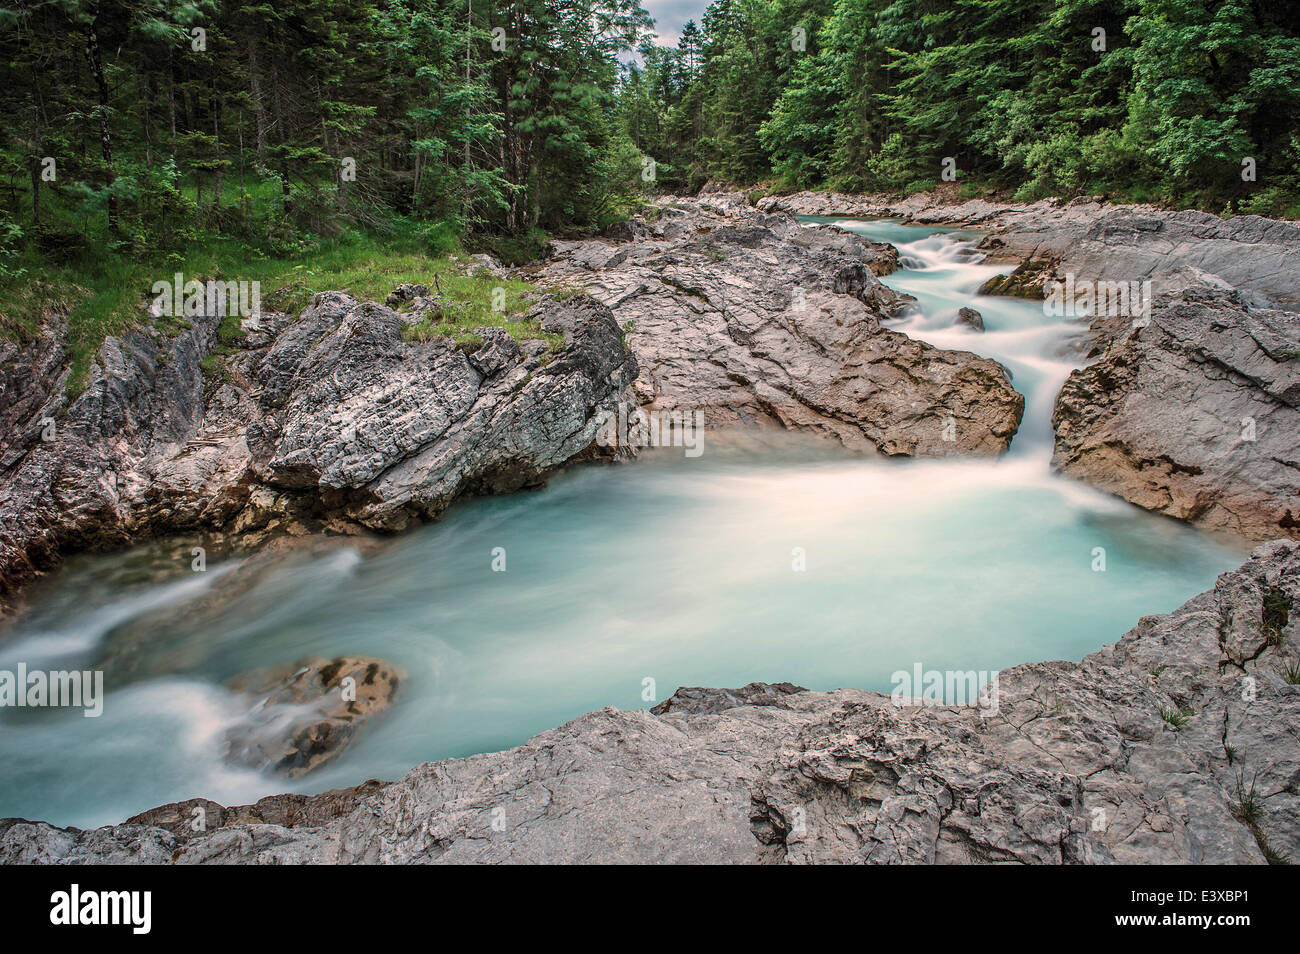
point(944, 271)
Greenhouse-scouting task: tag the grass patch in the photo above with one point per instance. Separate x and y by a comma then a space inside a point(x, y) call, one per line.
point(1246, 807)
point(1277, 609)
point(481, 301)
point(106, 295)
point(1175, 717)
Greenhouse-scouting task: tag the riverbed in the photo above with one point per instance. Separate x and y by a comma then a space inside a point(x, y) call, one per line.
point(769, 557)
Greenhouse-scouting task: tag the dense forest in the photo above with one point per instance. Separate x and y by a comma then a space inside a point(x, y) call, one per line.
point(139, 130)
point(165, 117)
point(1153, 100)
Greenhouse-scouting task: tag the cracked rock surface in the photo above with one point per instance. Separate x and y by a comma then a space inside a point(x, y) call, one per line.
point(1174, 745)
point(1195, 415)
point(755, 320)
point(331, 417)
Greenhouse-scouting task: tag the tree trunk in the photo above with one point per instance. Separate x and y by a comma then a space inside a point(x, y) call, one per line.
point(216, 147)
point(255, 94)
point(105, 137)
point(36, 191)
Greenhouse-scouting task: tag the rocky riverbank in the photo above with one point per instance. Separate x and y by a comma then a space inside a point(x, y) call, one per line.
point(1098, 240)
point(1190, 409)
point(753, 320)
point(1174, 745)
point(330, 419)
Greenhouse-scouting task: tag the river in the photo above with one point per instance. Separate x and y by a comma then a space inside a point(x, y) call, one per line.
point(770, 557)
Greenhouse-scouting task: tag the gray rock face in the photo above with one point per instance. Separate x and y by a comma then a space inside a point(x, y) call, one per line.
point(970, 318)
point(333, 415)
point(754, 320)
point(1100, 241)
point(1174, 745)
point(1196, 415)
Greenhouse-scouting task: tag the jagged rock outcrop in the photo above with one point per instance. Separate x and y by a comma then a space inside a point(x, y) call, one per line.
point(1174, 745)
point(752, 319)
point(1195, 414)
point(332, 417)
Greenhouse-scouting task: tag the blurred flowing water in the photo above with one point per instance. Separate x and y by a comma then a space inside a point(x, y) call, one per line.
point(671, 569)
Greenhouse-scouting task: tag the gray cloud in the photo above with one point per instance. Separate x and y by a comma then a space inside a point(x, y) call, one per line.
point(671, 15)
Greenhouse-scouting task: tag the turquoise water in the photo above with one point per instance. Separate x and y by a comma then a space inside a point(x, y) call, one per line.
point(672, 569)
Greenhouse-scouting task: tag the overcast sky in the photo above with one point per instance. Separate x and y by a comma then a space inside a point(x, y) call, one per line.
point(670, 15)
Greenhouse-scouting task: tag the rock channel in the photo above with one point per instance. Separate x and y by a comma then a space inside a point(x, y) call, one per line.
point(753, 320)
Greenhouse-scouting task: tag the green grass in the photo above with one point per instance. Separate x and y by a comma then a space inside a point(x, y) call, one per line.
point(1247, 801)
point(105, 295)
point(1277, 607)
point(1175, 717)
point(1246, 806)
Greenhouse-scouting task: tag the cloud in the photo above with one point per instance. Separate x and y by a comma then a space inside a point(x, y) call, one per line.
point(671, 15)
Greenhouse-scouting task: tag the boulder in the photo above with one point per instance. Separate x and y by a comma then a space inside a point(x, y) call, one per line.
point(1194, 413)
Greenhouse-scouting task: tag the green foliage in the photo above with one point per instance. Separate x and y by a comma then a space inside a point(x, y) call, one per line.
point(1159, 100)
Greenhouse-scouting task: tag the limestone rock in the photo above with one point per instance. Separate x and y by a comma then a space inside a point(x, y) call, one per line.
point(757, 321)
point(405, 292)
point(1028, 280)
point(1195, 414)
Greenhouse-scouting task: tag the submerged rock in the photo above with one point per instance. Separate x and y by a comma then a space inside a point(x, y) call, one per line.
point(306, 714)
point(1174, 745)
